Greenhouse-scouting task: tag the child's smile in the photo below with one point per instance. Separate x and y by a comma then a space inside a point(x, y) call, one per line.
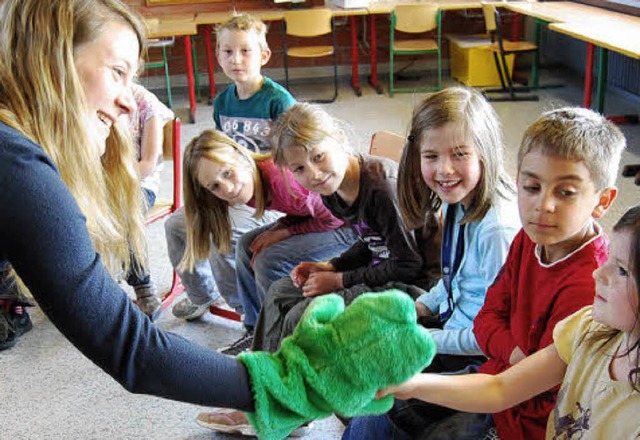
point(450, 164)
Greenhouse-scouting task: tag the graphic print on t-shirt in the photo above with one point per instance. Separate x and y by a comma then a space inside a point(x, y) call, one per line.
point(251, 133)
point(571, 426)
point(376, 244)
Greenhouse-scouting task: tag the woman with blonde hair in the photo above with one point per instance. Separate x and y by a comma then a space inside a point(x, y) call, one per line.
point(70, 199)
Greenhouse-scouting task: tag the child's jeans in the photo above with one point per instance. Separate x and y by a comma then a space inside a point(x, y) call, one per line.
point(278, 260)
point(217, 275)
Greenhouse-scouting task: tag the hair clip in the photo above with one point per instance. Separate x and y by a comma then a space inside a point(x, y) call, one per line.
point(411, 138)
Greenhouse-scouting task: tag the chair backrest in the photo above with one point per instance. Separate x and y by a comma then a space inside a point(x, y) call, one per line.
point(308, 22)
point(387, 144)
point(489, 12)
point(416, 18)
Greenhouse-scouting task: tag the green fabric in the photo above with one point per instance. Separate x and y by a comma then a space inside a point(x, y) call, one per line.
point(336, 360)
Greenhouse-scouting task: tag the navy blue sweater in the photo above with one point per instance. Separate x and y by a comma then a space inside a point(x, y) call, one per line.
point(43, 235)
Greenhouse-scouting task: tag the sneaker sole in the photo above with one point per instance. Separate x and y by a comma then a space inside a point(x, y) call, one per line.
point(248, 430)
point(199, 314)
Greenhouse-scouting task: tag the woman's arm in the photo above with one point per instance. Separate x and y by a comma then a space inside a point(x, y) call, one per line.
point(484, 393)
point(44, 236)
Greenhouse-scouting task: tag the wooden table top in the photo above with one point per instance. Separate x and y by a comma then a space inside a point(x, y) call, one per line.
point(175, 25)
point(269, 14)
point(560, 12)
point(619, 36)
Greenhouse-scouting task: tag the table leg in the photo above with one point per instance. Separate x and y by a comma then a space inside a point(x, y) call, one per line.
point(601, 87)
point(536, 55)
point(588, 77)
point(190, 80)
point(602, 78)
point(373, 51)
point(196, 75)
point(210, 63)
point(355, 84)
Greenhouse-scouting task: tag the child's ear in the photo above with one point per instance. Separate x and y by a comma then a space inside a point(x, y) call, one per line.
point(266, 56)
point(607, 196)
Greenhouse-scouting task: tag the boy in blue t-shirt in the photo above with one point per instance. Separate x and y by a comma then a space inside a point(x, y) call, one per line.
point(244, 112)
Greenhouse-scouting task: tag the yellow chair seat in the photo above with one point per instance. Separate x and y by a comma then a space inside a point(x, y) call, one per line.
point(310, 51)
point(413, 45)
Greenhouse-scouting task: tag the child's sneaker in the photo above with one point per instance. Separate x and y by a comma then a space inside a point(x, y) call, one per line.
point(232, 421)
point(189, 311)
point(148, 301)
point(240, 346)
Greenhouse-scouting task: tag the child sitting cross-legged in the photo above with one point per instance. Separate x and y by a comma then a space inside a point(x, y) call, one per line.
point(219, 174)
point(567, 165)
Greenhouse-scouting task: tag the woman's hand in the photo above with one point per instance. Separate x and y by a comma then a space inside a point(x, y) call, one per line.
point(266, 239)
point(300, 273)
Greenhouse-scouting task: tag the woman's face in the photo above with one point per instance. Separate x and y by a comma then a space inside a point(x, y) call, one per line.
point(106, 67)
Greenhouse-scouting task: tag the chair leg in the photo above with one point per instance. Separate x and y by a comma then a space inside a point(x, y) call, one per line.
point(439, 69)
point(335, 76)
point(286, 58)
point(507, 84)
point(167, 77)
point(176, 289)
point(391, 73)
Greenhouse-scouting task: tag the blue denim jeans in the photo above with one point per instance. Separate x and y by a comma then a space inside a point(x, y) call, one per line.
point(278, 260)
point(217, 275)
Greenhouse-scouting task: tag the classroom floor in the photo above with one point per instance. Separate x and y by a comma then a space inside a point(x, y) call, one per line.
point(49, 390)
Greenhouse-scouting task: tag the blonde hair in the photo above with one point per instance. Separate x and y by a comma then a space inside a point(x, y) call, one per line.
point(303, 125)
point(41, 96)
point(474, 116)
point(207, 216)
point(578, 134)
point(245, 23)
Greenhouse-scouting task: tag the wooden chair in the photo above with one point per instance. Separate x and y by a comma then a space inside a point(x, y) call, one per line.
point(415, 19)
point(161, 63)
point(501, 48)
point(310, 23)
point(387, 144)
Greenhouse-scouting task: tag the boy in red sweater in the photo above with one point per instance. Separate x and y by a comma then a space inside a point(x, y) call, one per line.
point(567, 165)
